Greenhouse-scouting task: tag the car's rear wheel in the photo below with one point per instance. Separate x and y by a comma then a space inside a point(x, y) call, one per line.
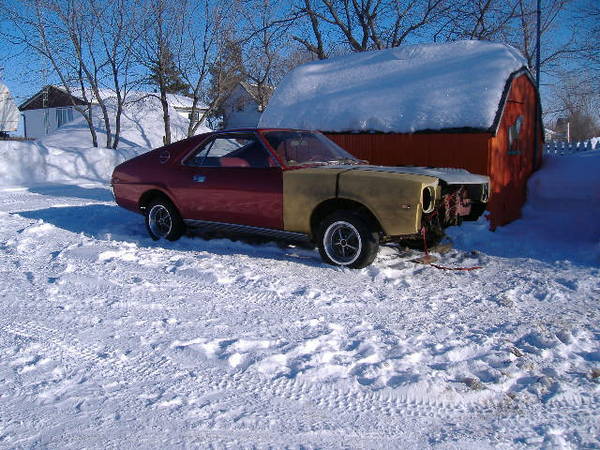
point(163, 220)
point(347, 239)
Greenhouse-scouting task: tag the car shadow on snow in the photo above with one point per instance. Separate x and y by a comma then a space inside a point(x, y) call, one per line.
point(73, 191)
point(106, 222)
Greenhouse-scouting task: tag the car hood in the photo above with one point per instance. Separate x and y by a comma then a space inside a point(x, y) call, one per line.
point(448, 175)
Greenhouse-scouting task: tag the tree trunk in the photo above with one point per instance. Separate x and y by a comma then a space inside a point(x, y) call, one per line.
point(90, 123)
point(117, 134)
point(106, 123)
point(166, 116)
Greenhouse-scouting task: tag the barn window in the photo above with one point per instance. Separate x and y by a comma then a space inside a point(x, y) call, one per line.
point(514, 132)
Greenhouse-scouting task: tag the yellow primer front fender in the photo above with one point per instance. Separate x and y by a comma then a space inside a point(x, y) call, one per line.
point(393, 198)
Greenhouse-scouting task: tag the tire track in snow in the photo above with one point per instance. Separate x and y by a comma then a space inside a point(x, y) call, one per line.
point(251, 386)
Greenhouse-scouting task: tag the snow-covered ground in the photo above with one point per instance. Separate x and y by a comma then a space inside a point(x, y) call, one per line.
point(111, 340)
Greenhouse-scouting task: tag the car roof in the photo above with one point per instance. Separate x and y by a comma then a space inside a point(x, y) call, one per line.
point(246, 130)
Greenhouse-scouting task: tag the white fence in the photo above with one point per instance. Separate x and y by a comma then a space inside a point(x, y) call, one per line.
point(567, 148)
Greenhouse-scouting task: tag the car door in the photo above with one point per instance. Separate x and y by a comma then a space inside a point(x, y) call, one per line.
point(231, 178)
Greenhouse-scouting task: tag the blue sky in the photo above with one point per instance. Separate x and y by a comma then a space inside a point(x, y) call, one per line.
point(25, 73)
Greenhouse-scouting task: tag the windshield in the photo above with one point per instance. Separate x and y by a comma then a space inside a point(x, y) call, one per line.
point(296, 148)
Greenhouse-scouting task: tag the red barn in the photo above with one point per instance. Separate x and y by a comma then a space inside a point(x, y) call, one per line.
point(466, 104)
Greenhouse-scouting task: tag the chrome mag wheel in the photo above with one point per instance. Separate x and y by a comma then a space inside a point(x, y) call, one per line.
point(342, 242)
point(160, 221)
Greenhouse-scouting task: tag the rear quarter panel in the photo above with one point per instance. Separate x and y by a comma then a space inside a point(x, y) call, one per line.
point(148, 171)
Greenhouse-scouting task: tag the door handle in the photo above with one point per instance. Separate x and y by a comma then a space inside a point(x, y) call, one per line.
point(199, 178)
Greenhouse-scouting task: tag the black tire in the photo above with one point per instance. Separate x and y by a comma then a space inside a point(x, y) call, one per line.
point(346, 238)
point(163, 221)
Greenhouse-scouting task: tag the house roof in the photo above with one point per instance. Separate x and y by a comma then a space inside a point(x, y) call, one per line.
point(405, 89)
point(254, 91)
point(182, 102)
point(60, 97)
point(9, 114)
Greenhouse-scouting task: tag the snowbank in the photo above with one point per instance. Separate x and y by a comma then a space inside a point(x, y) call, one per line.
point(30, 163)
point(67, 155)
point(568, 178)
point(404, 89)
point(560, 220)
point(141, 126)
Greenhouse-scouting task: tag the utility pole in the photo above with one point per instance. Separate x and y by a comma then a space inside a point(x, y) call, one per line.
point(537, 46)
point(538, 107)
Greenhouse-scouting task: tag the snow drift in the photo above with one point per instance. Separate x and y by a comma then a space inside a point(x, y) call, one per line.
point(141, 126)
point(563, 207)
point(67, 155)
point(403, 89)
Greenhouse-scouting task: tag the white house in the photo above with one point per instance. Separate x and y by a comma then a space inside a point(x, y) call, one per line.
point(53, 106)
point(244, 106)
point(9, 113)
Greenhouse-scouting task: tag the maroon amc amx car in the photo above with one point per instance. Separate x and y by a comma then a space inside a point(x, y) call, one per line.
point(297, 185)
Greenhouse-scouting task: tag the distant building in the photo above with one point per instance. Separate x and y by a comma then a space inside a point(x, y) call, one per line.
point(9, 113)
point(52, 107)
point(245, 104)
point(551, 135)
point(562, 130)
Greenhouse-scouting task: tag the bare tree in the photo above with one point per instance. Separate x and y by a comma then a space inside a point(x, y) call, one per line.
point(555, 47)
point(575, 100)
point(37, 26)
point(84, 43)
point(163, 28)
point(265, 30)
point(368, 24)
point(226, 71)
point(118, 30)
point(587, 19)
point(200, 48)
point(318, 48)
point(478, 19)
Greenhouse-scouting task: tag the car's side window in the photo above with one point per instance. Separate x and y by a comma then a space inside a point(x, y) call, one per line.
point(232, 151)
point(199, 155)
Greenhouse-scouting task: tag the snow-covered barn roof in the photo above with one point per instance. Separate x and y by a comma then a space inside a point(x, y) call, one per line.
point(404, 89)
point(9, 113)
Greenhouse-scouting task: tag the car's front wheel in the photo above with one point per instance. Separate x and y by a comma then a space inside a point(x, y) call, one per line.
point(347, 239)
point(163, 220)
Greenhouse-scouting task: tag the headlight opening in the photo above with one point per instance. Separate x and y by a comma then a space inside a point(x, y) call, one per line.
point(485, 193)
point(428, 199)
